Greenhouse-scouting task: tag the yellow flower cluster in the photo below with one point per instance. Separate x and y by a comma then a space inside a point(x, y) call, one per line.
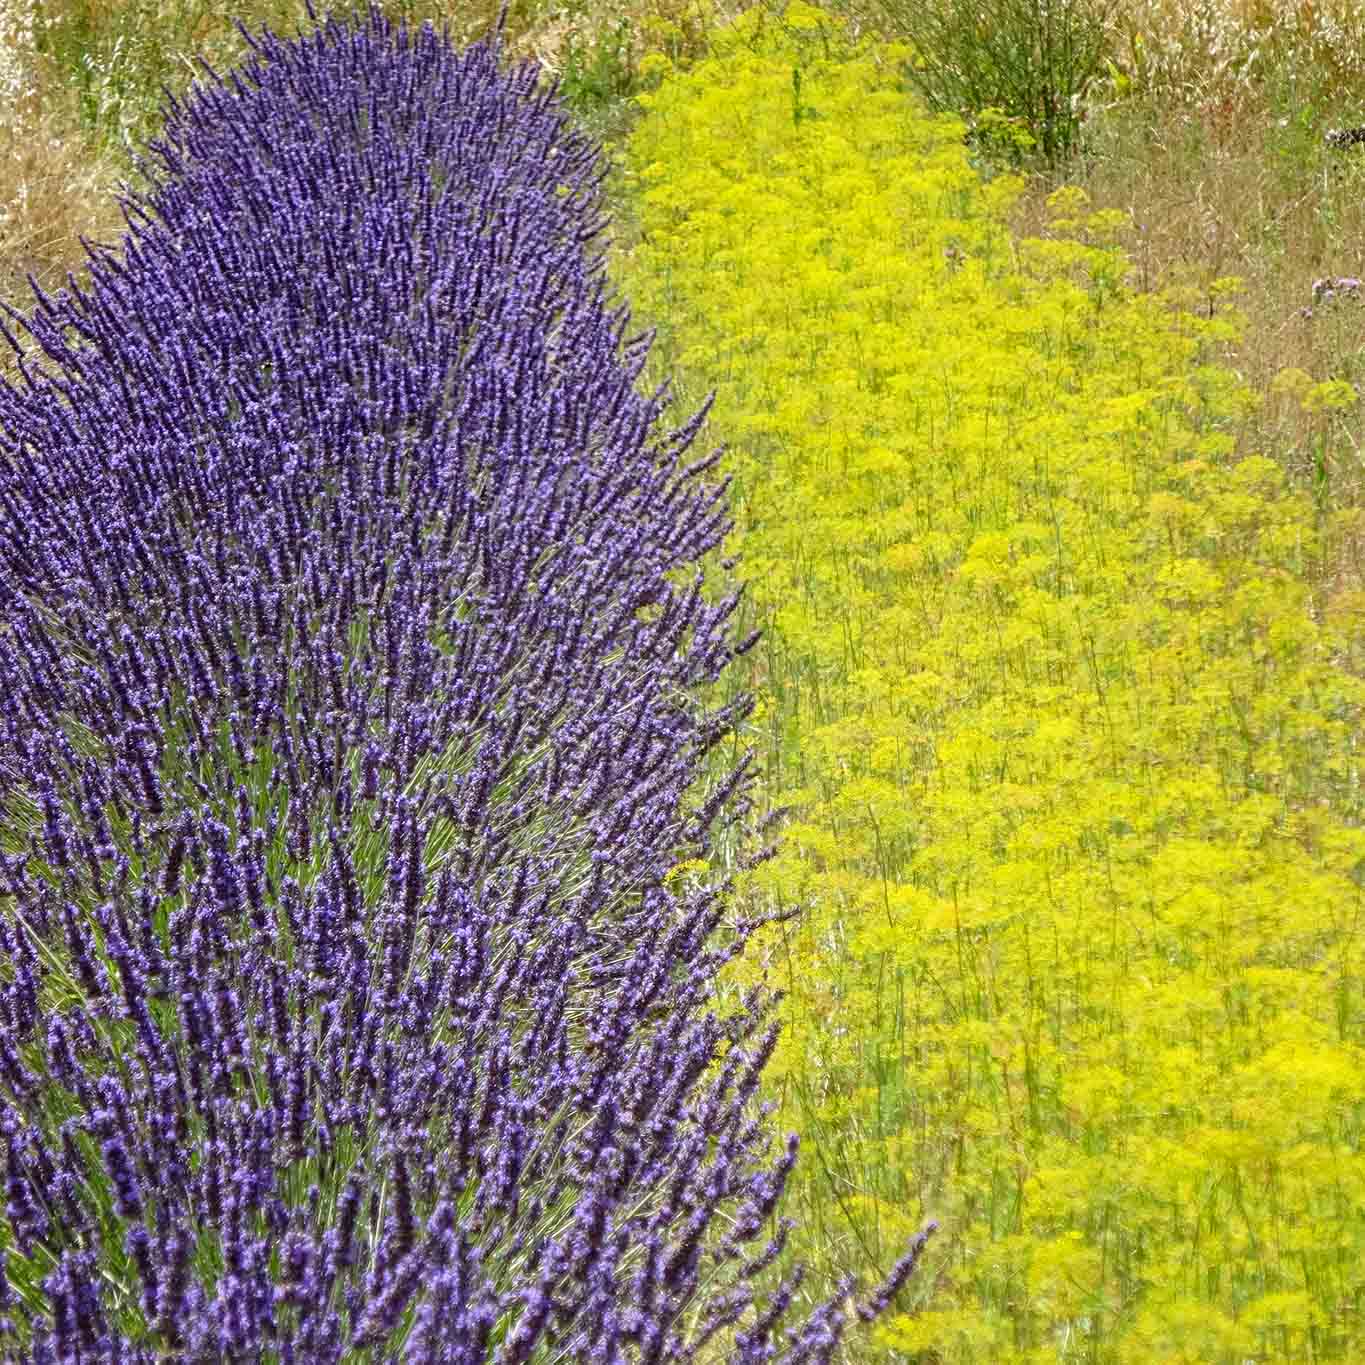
point(1071, 742)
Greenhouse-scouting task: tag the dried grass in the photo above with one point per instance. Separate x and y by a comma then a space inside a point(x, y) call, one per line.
point(55, 182)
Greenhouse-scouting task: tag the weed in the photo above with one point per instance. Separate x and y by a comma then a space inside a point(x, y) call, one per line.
point(598, 72)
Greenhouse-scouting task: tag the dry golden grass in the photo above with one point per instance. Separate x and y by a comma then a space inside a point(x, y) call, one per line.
point(1200, 212)
point(54, 187)
point(55, 182)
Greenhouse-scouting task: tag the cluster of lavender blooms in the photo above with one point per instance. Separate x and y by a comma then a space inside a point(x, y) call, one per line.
point(1330, 288)
point(351, 646)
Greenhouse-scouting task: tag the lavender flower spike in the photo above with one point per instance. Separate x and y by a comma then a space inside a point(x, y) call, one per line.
point(351, 724)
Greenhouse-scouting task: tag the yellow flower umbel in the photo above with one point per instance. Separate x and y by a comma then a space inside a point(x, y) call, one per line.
point(1072, 748)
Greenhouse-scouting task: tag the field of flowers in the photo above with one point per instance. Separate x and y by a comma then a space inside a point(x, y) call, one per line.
point(406, 825)
point(350, 735)
point(1069, 745)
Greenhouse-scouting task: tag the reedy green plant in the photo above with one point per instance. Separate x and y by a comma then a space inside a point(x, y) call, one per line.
point(1006, 66)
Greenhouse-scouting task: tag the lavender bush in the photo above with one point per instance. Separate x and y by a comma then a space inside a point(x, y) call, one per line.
point(350, 727)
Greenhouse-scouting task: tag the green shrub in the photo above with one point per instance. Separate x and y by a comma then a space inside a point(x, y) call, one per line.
point(1029, 61)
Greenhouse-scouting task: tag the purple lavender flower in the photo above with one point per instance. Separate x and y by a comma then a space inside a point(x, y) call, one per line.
point(1329, 289)
point(344, 774)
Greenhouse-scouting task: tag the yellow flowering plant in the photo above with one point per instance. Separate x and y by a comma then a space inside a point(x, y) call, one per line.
point(1069, 740)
